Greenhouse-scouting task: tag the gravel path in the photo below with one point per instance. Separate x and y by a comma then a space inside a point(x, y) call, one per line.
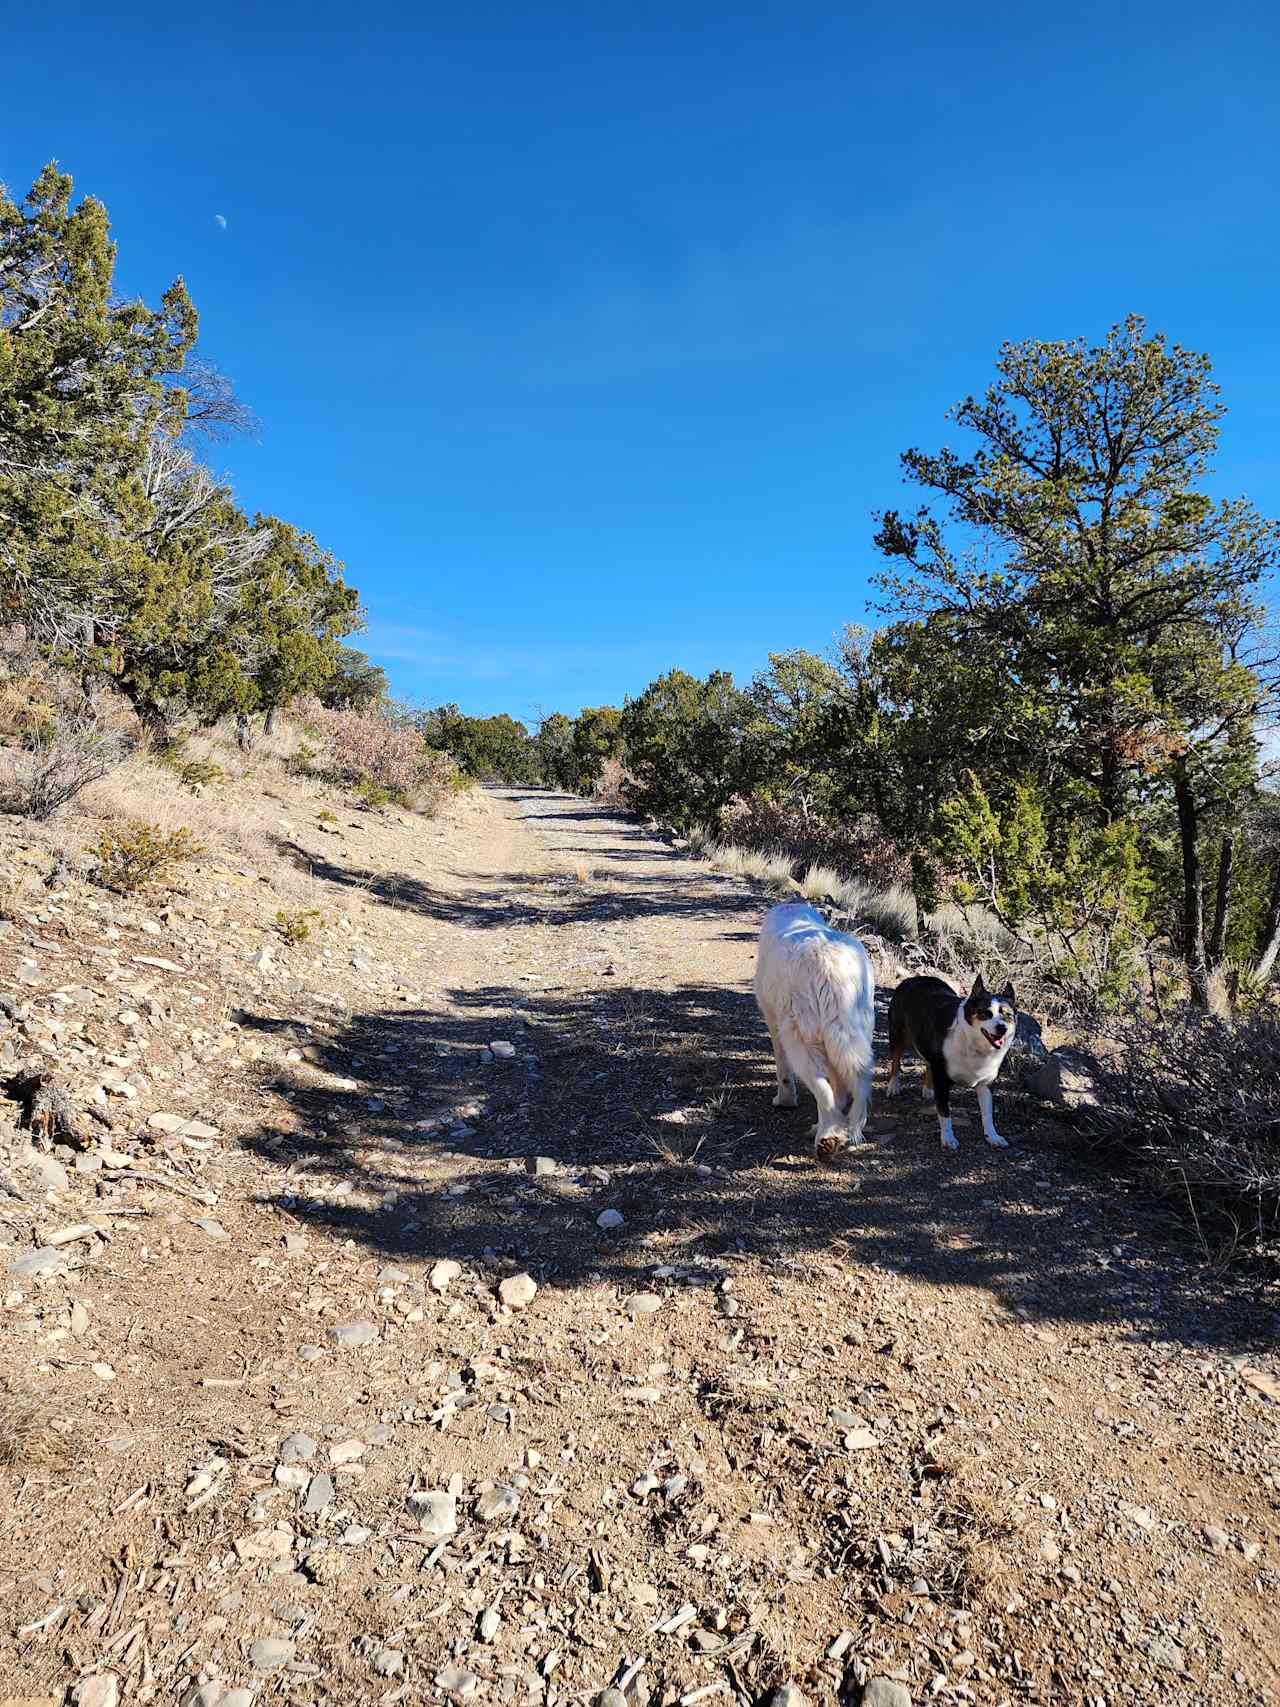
point(520, 1349)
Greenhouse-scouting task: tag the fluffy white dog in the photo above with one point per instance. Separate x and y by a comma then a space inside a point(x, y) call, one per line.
point(816, 989)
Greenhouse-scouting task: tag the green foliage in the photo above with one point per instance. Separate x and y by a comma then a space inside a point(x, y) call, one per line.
point(354, 683)
point(298, 925)
point(486, 749)
point(119, 551)
point(1075, 894)
point(687, 747)
point(136, 857)
point(372, 794)
point(324, 816)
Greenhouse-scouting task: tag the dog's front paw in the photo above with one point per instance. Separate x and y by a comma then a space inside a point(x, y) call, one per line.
point(786, 1099)
point(996, 1141)
point(950, 1141)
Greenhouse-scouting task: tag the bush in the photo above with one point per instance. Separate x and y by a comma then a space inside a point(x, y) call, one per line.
point(63, 755)
point(296, 927)
point(1193, 1106)
point(380, 757)
point(135, 857)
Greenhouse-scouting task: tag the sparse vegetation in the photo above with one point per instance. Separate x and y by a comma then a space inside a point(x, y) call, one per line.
point(299, 925)
point(133, 858)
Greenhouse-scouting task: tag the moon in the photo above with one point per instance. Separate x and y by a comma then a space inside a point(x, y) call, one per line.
point(220, 220)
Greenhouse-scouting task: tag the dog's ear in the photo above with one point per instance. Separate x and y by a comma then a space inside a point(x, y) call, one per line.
point(979, 989)
point(1007, 995)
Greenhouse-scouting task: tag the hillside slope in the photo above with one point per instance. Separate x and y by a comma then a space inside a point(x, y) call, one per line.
point(975, 1426)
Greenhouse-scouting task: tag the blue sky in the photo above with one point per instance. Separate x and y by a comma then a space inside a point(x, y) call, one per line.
point(588, 336)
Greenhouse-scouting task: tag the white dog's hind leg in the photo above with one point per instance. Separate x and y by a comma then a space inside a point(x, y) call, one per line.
point(988, 1123)
point(786, 1096)
point(858, 1107)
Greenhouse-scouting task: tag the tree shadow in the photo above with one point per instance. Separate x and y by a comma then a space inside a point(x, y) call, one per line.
point(399, 1134)
point(559, 898)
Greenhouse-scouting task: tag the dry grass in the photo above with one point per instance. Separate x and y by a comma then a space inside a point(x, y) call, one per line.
point(33, 1434)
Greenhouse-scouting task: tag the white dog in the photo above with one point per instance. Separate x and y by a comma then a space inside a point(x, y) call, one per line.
point(816, 990)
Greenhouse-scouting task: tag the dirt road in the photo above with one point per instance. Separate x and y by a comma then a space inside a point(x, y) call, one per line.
point(974, 1427)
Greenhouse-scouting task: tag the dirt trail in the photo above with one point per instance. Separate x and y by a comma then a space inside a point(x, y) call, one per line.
point(975, 1425)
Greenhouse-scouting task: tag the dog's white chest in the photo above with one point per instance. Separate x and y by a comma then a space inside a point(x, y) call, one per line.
point(969, 1067)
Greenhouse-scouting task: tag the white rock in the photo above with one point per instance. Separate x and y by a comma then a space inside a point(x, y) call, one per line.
point(461, 1684)
point(610, 1218)
point(444, 1274)
point(270, 1653)
point(643, 1304)
point(436, 1513)
point(503, 1051)
point(101, 1689)
point(350, 1335)
point(885, 1692)
point(498, 1505)
point(518, 1291)
point(346, 1452)
point(297, 1449)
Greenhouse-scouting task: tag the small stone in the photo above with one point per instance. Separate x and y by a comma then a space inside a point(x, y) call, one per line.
point(498, 1504)
point(643, 1304)
point(490, 1624)
point(1139, 1514)
point(213, 1228)
point(461, 1684)
point(436, 1513)
point(788, 1695)
point(270, 1653)
point(79, 1319)
point(351, 1335)
point(388, 1662)
point(861, 1440)
point(47, 1171)
point(310, 1353)
point(237, 1698)
point(518, 1291)
point(326, 1568)
point(297, 1449)
point(99, 1690)
point(319, 1495)
point(44, 1263)
point(610, 1218)
point(263, 1545)
point(292, 1476)
point(644, 1484)
point(885, 1692)
point(444, 1274)
point(503, 1051)
point(204, 1695)
point(540, 1165)
point(1217, 1540)
point(346, 1452)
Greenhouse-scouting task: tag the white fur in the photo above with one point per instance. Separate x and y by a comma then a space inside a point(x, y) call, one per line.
point(973, 1062)
point(816, 989)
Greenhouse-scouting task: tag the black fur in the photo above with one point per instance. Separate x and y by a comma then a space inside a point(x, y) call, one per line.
point(921, 1013)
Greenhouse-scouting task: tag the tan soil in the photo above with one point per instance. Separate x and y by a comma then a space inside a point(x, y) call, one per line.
point(1048, 1409)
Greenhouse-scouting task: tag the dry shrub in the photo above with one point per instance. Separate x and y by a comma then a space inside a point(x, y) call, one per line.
point(1192, 1106)
point(61, 758)
point(381, 758)
point(861, 849)
point(136, 857)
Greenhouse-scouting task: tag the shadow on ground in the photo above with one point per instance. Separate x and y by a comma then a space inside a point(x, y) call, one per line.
point(560, 899)
point(665, 1094)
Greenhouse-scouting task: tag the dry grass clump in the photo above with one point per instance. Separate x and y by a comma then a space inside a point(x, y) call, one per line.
point(33, 1434)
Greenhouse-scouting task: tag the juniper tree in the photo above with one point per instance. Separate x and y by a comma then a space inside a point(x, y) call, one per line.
point(1095, 614)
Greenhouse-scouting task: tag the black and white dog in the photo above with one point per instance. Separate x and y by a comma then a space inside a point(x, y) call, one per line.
point(962, 1041)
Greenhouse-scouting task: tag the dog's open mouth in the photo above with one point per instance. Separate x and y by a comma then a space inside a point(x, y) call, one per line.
point(996, 1042)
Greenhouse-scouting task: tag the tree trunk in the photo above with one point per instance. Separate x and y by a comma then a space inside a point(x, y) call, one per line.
point(269, 722)
point(244, 734)
point(1193, 946)
point(1269, 936)
point(1222, 905)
